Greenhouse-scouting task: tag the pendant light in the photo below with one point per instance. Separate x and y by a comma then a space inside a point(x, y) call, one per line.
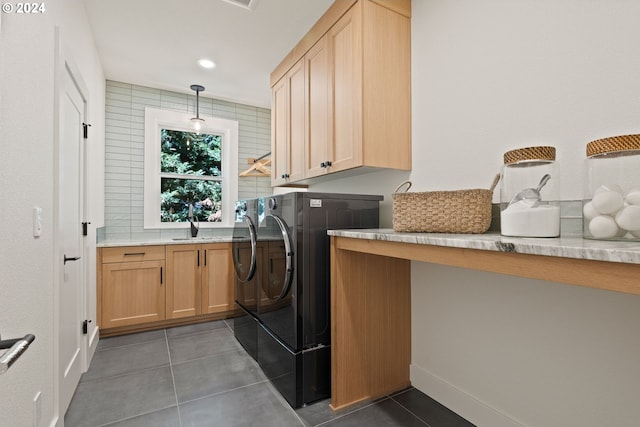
point(196, 121)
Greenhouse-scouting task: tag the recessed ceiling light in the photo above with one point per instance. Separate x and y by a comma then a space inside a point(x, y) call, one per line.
point(206, 63)
point(246, 4)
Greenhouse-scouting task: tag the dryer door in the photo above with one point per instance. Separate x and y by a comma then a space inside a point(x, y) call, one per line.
point(276, 306)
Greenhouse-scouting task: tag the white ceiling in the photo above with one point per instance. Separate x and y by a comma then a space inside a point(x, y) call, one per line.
point(156, 43)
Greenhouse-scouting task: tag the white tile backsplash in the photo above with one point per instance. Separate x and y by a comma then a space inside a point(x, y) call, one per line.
point(124, 153)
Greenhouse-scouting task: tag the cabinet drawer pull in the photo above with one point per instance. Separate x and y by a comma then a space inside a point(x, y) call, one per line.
point(134, 253)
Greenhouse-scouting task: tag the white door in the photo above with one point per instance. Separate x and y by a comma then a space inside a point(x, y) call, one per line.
point(70, 205)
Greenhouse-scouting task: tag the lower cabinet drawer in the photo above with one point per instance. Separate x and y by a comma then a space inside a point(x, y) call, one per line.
point(132, 254)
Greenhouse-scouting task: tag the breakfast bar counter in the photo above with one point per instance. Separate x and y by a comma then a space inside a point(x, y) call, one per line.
point(371, 291)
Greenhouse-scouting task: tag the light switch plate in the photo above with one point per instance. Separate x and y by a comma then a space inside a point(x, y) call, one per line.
point(37, 221)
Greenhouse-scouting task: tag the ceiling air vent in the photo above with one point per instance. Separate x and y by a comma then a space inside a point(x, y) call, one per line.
point(245, 4)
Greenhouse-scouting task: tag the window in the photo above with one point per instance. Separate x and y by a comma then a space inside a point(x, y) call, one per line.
point(188, 172)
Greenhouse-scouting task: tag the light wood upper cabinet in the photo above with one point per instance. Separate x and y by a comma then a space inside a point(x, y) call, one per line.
point(199, 279)
point(357, 109)
point(131, 286)
point(317, 108)
point(345, 43)
point(288, 127)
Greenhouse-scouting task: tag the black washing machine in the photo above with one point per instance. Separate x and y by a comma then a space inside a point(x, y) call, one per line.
point(290, 302)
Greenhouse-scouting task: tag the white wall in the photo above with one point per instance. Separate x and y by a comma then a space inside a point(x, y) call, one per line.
point(493, 75)
point(27, 46)
point(489, 76)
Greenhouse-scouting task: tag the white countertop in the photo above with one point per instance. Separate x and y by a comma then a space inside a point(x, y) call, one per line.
point(164, 241)
point(565, 246)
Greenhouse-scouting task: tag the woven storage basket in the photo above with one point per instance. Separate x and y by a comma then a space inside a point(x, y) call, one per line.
point(459, 211)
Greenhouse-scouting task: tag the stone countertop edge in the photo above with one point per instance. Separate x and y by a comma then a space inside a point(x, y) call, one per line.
point(163, 241)
point(570, 246)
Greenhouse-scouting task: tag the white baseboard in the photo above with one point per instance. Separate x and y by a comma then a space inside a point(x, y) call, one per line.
point(93, 342)
point(462, 403)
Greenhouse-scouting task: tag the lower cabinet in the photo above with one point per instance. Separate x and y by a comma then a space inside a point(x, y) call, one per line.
point(132, 287)
point(217, 278)
point(138, 285)
point(199, 279)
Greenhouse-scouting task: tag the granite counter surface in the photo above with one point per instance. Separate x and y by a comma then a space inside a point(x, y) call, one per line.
point(571, 246)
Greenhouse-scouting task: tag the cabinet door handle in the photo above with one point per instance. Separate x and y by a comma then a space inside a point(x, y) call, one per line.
point(198, 257)
point(327, 163)
point(161, 275)
point(205, 257)
point(323, 165)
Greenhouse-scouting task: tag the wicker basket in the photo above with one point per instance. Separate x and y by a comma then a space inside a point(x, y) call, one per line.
point(460, 211)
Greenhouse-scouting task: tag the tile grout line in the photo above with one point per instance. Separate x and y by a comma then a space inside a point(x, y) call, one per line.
point(128, 345)
point(225, 391)
point(284, 402)
point(123, 374)
point(352, 412)
point(173, 378)
point(408, 410)
point(208, 331)
point(207, 356)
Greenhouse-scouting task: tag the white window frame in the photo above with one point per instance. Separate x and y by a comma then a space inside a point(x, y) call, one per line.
point(155, 120)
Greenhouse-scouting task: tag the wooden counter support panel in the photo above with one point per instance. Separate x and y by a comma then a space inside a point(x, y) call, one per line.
point(371, 326)
point(370, 303)
point(613, 276)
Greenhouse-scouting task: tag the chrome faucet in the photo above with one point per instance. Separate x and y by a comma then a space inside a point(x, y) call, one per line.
point(194, 228)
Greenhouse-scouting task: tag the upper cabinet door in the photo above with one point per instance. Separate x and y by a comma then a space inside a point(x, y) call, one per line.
point(279, 133)
point(318, 108)
point(288, 126)
point(297, 128)
point(345, 45)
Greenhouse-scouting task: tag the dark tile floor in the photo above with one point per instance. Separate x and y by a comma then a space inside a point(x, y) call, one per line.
point(198, 375)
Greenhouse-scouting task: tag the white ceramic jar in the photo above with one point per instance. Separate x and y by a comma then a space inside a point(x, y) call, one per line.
point(522, 213)
point(611, 203)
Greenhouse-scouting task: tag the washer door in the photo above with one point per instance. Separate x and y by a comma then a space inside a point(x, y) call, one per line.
point(276, 308)
point(244, 250)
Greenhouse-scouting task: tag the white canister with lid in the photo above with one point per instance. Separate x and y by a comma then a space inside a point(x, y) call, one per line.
point(611, 203)
point(522, 212)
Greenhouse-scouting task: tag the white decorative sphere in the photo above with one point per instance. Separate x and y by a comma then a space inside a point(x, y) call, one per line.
point(603, 227)
point(629, 218)
point(607, 202)
point(589, 211)
point(633, 197)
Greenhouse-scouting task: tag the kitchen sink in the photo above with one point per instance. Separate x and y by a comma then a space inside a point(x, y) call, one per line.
point(191, 238)
point(177, 239)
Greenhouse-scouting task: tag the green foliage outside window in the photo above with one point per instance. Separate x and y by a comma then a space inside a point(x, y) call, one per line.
point(191, 171)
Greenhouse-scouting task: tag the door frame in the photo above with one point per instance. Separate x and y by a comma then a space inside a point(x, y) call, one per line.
point(64, 63)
